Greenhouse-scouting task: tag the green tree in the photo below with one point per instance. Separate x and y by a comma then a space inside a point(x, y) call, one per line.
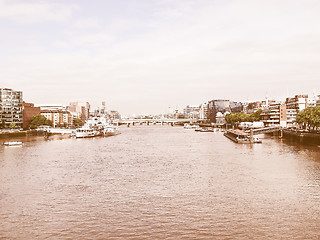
point(236, 118)
point(309, 118)
point(12, 125)
point(38, 120)
point(77, 122)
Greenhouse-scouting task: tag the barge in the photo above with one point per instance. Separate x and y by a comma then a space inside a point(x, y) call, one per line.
point(241, 137)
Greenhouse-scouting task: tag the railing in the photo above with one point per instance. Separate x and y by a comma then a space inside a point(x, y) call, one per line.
point(265, 130)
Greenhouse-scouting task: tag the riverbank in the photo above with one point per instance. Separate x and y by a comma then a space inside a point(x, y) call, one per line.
point(303, 137)
point(14, 134)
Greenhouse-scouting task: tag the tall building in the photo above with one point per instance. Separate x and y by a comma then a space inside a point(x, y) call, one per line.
point(192, 111)
point(276, 114)
point(222, 107)
point(80, 110)
point(203, 112)
point(10, 108)
point(285, 114)
point(29, 110)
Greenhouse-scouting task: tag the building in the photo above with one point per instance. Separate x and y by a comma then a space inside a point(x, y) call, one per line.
point(58, 117)
point(203, 112)
point(79, 110)
point(222, 107)
point(29, 110)
point(10, 108)
point(284, 114)
point(192, 111)
point(276, 114)
point(52, 107)
point(251, 107)
point(113, 115)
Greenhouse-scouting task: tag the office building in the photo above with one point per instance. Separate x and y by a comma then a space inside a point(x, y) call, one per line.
point(10, 108)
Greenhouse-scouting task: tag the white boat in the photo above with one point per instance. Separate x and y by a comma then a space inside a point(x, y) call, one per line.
point(85, 132)
point(190, 126)
point(96, 126)
point(109, 130)
point(12, 143)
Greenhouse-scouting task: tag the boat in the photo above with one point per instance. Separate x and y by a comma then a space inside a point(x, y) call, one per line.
point(12, 143)
point(109, 130)
point(85, 132)
point(190, 126)
point(206, 129)
point(240, 137)
point(96, 126)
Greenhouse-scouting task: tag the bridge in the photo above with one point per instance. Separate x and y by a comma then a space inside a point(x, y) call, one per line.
point(264, 130)
point(149, 121)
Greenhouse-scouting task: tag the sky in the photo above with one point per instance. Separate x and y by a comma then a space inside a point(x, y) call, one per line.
point(143, 56)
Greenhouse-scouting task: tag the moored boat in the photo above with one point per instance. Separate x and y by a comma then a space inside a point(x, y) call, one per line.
point(12, 143)
point(240, 137)
point(85, 132)
point(206, 129)
point(190, 126)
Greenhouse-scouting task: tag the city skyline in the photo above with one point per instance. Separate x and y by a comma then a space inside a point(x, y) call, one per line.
point(142, 57)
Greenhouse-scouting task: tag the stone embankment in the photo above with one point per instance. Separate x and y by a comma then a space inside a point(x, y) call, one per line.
point(301, 136)
point(13, 134)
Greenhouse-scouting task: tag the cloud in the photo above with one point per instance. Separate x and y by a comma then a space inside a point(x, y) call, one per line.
point(31, 12)
point(165, 52)
point(87, 23)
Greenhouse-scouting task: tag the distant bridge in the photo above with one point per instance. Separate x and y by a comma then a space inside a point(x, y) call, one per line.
point(150, 121)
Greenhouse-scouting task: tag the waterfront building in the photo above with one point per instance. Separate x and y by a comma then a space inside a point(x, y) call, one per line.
point(276, 114)
point(221, 118)
point(222, 106)
point(203, 112)
point(192, 111)
point(10, 108)
point(113, 115)
point(58, 117)
point(80, 110)
point(29, 110)
point(296, 104)
point(251, 107)
point(284, 114)
point(215, 106)
point(52, 107)
point(300, 102)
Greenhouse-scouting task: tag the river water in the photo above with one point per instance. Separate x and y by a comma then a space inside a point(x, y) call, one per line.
point(159, 182)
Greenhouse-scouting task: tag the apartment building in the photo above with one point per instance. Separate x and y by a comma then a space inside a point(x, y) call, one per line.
point(10, 108)
point(58, 117)
point(203, 112)
point(80, 110)
point(276, 114)
point(285, 114)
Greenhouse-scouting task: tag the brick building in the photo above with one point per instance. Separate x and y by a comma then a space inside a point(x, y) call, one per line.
point(29, 110)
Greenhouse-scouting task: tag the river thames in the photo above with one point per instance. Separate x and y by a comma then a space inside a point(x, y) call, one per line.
point(159, 182)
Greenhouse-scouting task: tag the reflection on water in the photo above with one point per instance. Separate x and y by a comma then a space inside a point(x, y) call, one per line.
point(159, 182)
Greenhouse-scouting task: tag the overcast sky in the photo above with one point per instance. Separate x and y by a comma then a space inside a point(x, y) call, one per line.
point(143, 56)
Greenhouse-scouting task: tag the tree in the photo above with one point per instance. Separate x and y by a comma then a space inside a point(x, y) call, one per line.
point(236, 118)
point(12, 125)
point(3, 124)
point(77, 122)
point(309, 118)
point(38, 120)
